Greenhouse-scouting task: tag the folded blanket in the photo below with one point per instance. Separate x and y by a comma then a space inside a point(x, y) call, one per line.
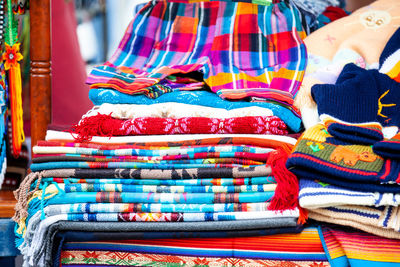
point(174, 110)
point(244, 158)
point(51, 210)
point(381, 221)
point(36, 253)
point(149, 152)
point(183, 182)
point(183, 141)
point(55, 135)
point(57, 239)
point(203, 98)
point(183, 198)
point(339, 244)
point(104, 187)
point(106, 125)
point(128, 165)
point(314, 194)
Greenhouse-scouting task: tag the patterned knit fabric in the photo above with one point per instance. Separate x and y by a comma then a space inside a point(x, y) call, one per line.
point(243, 50)
point(105, 125)
point(314, 194)
point(381, 221)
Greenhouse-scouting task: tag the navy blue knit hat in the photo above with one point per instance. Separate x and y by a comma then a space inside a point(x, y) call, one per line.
point(388, 113)
point(353, 99)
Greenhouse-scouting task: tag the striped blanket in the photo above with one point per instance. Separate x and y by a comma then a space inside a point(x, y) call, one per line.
point(345, 247)
point(242, 49)
point(304, 246)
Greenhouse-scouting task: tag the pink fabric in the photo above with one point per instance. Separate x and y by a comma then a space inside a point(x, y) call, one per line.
point(69, 92)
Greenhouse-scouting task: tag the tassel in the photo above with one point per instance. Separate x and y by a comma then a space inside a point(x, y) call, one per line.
point(15, 88)
point(287, 190)
point(102, 125)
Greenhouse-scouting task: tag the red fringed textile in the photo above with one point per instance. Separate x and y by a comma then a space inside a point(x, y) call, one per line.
point(287, 189)
point(105, 125)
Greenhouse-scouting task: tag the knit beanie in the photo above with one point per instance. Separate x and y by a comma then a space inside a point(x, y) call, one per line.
point(356, 133)
point(352, 99)
point(389, 61)
point(389, 148)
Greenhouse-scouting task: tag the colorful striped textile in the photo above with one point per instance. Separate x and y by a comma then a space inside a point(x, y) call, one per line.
point(189, 142)
point(175, 217)
point(103, 187)
point(234, 172)
point(106, 125)
point(314, 194)
point(152, 152)
point(246, 160)
point(128, 165)
point(304, 246)
point(182, 198)
point(116, 258)
point(61, 232)
point(289, 115)
point(183, 182)
point(242, 49)
point(345, 247)
point(174, 110)
point(35, 243)
point(382, 221)
point(52, 210)
point(62, 136)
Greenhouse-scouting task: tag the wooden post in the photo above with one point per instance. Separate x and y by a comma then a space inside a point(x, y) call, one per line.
point(40, 73)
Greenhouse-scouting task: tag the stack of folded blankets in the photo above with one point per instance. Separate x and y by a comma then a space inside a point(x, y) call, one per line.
point(349, 164)
point(188, 132)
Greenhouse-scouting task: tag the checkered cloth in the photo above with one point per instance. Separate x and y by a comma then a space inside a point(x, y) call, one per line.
point(243, 50)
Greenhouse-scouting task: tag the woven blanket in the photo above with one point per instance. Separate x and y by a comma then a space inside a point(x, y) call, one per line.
point(302, 246)
point(34, 247)
point(53, 135)
point(106, 125)
point(57, 239)
point(150, 152)
point(115, 258)
point(381, 221)
point(342, 248)
point(236, 45)
point(190, 141)
point(104, 187)
point(314, 195)
point(174, 110)
point(51, 210)
point(234, 172)
point(128, 165)
point(244, 158)
point(183, 198)
point(318, 155)
point(183, 182)
point(203, 98)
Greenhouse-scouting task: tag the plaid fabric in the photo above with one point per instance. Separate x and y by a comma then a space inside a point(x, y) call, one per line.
point(242, 49)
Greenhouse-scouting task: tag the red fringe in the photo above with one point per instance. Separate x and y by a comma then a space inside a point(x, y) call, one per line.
point(287, 189)
point(106, 125)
